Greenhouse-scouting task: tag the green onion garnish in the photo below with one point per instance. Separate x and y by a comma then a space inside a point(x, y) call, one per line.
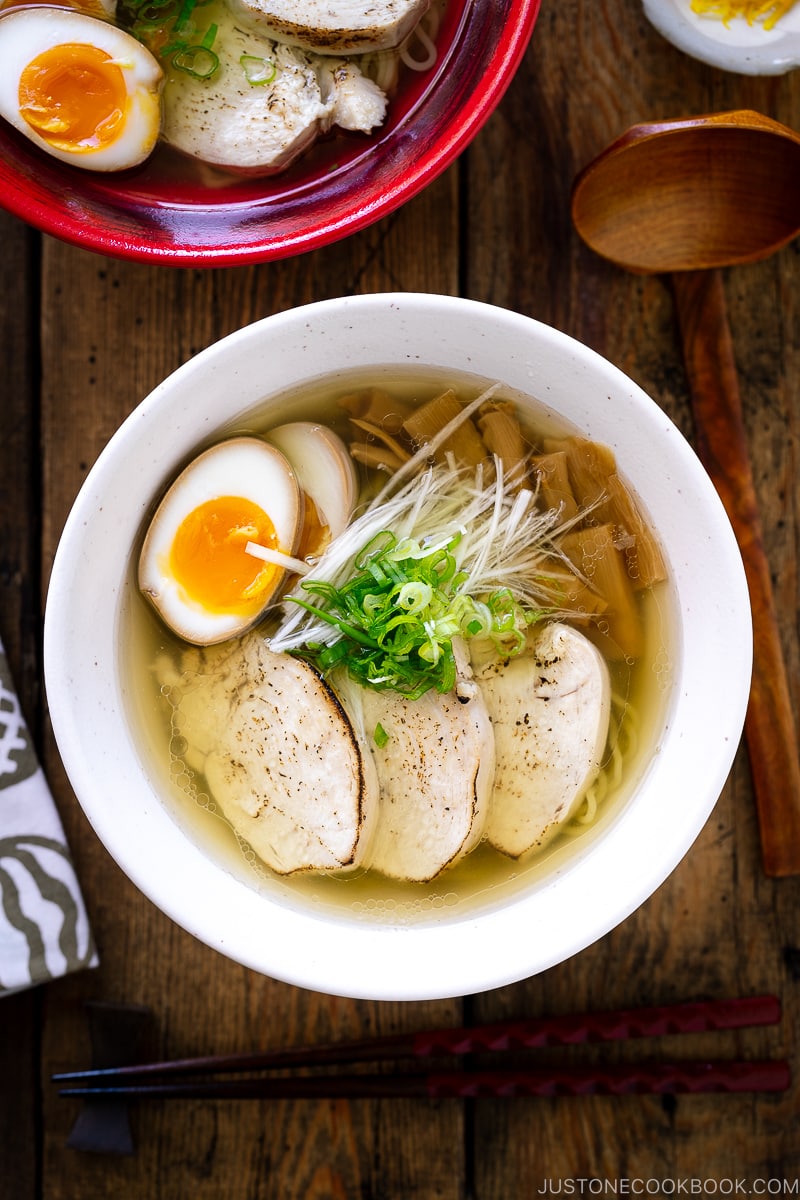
point(257, 71)
point(196, 61)
point(199, 61)
point(183, 17)
point(399, 613)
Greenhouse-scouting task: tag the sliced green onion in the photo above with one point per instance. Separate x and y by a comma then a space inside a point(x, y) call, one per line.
point(414, 596)
point(258, 71)
point(348, 630)
point(198, 61)
point(183, 17)
point(381, 543)
point(399, 612)
point(173, 48)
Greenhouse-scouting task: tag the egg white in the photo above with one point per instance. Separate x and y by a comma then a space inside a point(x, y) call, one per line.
point(245, 467)
point(105, 9)
point(324, 470)
point(26, 33)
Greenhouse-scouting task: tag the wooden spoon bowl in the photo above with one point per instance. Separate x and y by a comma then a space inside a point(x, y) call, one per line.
point(692, 194)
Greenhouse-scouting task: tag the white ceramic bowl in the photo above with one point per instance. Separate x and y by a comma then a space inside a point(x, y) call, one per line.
point(579, 897)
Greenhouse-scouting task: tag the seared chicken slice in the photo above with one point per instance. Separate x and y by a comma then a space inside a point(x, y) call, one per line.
point(550, 712)
point(345, 27)
point(435, 772)
point(281, 758)
point(265, 104)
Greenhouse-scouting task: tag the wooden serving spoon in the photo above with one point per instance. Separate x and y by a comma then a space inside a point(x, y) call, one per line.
point(688, 197)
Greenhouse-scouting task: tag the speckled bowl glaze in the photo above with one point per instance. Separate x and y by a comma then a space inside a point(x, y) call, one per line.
point(450, 952)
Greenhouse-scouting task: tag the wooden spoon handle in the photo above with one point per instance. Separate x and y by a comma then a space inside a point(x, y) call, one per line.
point(722, 447)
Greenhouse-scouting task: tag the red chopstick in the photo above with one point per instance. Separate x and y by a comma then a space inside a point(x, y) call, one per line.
point(505, 1036)
point(615, 1080)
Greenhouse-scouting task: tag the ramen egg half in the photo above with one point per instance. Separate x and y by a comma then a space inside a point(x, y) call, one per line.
point(194, 566)
point(327, 478)
point(79, 88)
point(106, 10)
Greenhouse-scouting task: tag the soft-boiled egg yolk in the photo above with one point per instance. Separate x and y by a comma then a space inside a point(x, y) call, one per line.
point(74, 96)
point(209, 559)
point(78, 87)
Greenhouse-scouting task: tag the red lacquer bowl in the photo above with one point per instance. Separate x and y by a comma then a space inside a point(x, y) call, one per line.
point(342, 186)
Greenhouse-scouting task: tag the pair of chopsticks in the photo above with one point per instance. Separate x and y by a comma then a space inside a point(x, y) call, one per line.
point(182, 1078)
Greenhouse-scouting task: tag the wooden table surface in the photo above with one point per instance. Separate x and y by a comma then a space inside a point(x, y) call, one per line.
point(83, 340)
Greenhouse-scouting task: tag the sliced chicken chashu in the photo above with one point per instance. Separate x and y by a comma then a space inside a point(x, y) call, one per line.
point(280, 756)
point(550, 712)
point(340, 27)
point(265, 104)
point(435, 773)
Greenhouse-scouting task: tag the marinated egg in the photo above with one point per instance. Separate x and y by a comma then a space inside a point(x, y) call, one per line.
point(105, 9)
point(326, 476)
point(195, 567)
point(79, 88)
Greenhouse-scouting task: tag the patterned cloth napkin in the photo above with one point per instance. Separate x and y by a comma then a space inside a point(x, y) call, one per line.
point(44, 929)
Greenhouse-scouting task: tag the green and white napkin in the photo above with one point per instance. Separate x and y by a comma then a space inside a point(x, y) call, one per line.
point(44, 929)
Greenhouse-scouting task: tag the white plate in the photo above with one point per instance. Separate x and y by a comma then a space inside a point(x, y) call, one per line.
point(735, 46)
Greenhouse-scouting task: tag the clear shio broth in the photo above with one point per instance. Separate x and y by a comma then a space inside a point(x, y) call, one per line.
point(485, 878)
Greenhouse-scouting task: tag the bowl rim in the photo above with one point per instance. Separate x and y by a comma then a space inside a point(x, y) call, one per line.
point(445, 958)
point(47, 194)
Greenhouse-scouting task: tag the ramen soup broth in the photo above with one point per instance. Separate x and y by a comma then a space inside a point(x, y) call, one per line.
point(485, 878)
